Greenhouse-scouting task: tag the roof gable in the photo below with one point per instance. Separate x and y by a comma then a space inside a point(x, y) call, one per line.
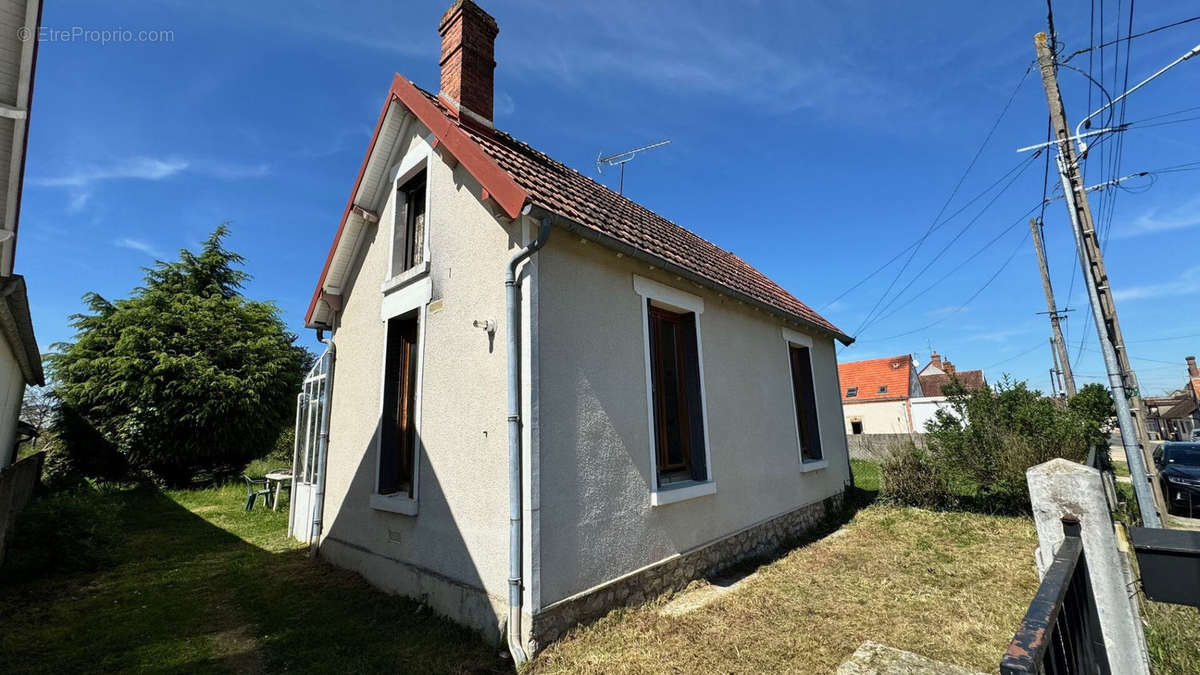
point(894, 372)
point(513, 174)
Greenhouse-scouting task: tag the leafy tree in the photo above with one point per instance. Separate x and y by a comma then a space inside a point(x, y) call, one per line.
point(37, 410)
point(1095, 405)
point(185, 376)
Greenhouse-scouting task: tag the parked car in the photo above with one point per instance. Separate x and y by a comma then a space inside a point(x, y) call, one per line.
point(1179, 470)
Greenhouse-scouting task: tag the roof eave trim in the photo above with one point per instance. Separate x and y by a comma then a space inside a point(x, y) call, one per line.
point(17, 326)
point(605, 240)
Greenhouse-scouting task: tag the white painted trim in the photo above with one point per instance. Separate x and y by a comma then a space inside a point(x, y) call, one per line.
point(672, 298)
point(406, 298)
point(791, 337)
point(814, 465)
point(667, 296)
point(795, 338)
point(402, 504)
point(404, 278)
point(416, 161)
point(690, 490)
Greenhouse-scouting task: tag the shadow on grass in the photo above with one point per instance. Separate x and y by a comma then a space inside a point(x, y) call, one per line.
point(182, 594)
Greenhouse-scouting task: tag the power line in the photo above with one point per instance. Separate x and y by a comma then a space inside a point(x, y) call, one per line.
point(1127, 38)
point(953, 193)
point(1035, 347)
point(943, 251)
point(1020, 163)
point(974, 295)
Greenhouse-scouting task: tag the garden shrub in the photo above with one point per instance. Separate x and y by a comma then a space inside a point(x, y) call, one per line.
point(982, 449)
point(909, 476)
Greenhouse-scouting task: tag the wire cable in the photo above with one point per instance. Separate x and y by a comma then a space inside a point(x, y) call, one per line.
point(953, 193)
point(1129, 37)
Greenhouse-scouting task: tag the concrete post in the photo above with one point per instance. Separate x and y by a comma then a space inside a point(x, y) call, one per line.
point(1059, 489)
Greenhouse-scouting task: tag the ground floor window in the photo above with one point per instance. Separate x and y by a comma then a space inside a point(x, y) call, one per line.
point(806, 402)
point(678, 410)
point(398, 432)
point(856, 427)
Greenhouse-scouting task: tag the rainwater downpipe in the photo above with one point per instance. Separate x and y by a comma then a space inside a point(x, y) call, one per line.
point(513, 307)
point(314, 533)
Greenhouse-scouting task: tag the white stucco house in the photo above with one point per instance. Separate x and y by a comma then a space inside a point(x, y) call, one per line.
point(877, 395)
point(541, 400)
point(20, 360)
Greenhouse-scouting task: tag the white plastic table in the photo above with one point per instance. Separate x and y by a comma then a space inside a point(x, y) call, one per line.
point(278, 478)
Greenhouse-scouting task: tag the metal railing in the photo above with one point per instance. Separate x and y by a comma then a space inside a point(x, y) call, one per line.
point(1061, 630)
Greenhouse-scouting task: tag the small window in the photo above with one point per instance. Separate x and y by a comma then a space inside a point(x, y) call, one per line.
point(883, 389)
point(675, 382)
point(852, 392)
point(806, 403)
point(408, 231)
point(398, 432)
point(856, 427)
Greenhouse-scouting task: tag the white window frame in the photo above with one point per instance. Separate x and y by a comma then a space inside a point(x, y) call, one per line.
point(416, 161)
point(667, 297)
point(791, 337)
point(410, 290)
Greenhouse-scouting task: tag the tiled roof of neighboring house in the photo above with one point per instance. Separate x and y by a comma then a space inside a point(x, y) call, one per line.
point(1182, 409)
point(894, 373)
point(970, 379)
point(561, 190)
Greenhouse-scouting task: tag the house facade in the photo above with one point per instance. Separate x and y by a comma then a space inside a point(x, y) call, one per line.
point(935, 375)
point(20, 360)
point(540, 400)
point(876, 395)
point(1175, 417)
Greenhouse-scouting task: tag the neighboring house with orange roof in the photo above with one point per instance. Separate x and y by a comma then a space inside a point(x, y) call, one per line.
point(547, 400)
point(876, 395)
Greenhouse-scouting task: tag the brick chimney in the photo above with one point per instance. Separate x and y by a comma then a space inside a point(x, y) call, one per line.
point(948, 367)
point(468, 59)
point(935, 360)
point(1192, 371)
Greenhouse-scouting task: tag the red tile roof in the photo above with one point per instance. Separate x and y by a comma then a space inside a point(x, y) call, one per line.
point(563, 190)
point(932, 385)
point(568, 193)
point(893, 372)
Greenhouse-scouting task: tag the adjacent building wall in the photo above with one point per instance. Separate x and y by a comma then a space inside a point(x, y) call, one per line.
point(12, 390)
point(596, 519)
point(453, 554)
point(879, 417)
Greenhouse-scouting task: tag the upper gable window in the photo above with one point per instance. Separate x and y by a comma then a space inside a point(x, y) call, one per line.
point(408, 231)
point(883, 389)
point(852, 392)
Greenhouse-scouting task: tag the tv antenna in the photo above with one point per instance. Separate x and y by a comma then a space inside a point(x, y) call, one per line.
point(623, 158)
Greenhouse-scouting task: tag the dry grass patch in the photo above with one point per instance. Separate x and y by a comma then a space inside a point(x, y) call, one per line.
point(950, 586)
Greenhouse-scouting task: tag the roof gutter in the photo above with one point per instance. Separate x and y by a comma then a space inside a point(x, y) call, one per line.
point(663, 264)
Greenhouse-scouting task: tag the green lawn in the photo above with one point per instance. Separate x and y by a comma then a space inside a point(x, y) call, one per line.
point(197, 584)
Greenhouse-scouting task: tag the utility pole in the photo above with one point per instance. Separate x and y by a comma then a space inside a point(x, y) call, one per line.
point(1056, 373)
point(1057, 344)
point(1120, 375)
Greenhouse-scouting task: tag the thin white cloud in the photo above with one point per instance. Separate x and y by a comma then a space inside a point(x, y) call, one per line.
point(139, 245)
point(1156, 220)
point(78, 200)
point(140, 168)
point(1185, 284)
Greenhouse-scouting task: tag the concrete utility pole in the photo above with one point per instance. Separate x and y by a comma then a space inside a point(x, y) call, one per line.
point(1120, 375)
point(1056, 341)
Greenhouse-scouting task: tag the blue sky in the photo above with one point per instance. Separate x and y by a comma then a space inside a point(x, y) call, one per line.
point(815, 139)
